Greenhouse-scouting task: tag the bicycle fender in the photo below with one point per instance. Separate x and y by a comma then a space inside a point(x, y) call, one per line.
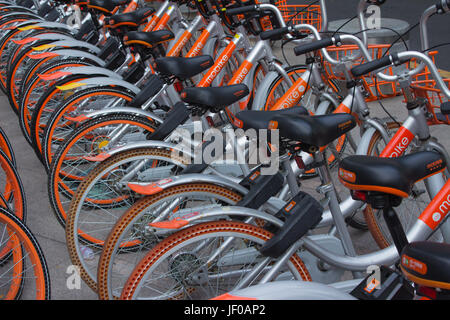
point(26, 23)
point(259, 99)
point(12, 14)
point(48, 24)
point(129, 110)
point(363, 145)
point(322, 107)
point(100, 81)
point(17, 8)
point(84, 70)
point(51, 36)
point(208, 48)
point(13, 6)
point(209, 214)
point(72, 43)
point(175, 39)
point(144, 144)
point(151, 188)
point(79, 54)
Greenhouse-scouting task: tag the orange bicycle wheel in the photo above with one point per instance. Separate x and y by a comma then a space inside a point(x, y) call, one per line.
point(34, 90)
point(59, 127)
point(11, 188)
point(6, 147)
point(26, 274)
point(169, 270)
point(70, 165)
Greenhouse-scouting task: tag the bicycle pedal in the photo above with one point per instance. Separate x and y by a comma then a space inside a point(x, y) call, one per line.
point(301, 214)
point(391, 285)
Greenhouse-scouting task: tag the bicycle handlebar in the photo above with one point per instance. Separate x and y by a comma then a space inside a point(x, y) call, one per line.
point(376, 64)
point(442, 7)
point(399, 58)
point(278, 33)
point(257, 8)
point(371, 66)
point(241, 10)
point(353, 40)
point(275, 34)
point(376, 2)
point(316, 45)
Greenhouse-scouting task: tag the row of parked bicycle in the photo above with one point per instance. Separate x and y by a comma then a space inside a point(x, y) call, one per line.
point(103, 88)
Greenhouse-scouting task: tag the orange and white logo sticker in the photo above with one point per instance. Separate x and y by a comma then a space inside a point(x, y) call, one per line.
point(414, 264)
point(347, 175)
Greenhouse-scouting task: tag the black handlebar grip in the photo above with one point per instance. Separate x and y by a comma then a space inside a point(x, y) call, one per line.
point(313, 46)
point(377, 2)
point(371, 66)
point(241, 10)
point(275, 34)
point(398, 61)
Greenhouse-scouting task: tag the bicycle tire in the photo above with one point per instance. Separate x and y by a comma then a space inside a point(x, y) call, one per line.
point(44, 108)
point(87, 190)
point(175, 242)
point(33, 251)
point(52, 134)
point(194, 191)
point(27, 101)
point(59, 181)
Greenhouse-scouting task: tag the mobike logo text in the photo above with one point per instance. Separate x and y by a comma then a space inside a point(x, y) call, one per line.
point(179, 46)
point(152, 24)
point(242, 75)
point(293, 97)
point(216, 69)
point(413, 264)
point(161, 27)
point(400, 148)
point(195, 51)
point(443, 210)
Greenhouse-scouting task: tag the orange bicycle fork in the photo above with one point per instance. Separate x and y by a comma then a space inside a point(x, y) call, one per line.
point(131, 6)
point(162, 23)
point(185, 37)
point(209, 31)
point(157, 16)
point(294, 94)
point(221, 61)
